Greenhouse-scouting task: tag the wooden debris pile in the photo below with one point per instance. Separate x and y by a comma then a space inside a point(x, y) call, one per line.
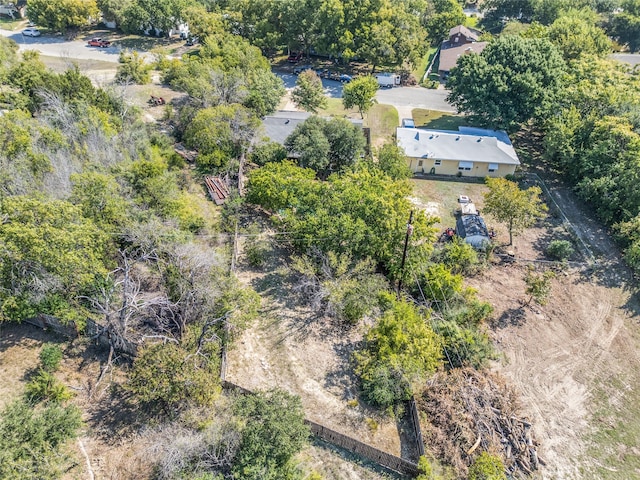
point(188, 155)
point(218, 190)
point(468, 412)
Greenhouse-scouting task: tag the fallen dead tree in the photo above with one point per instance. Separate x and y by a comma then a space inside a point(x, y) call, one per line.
point(468, 412)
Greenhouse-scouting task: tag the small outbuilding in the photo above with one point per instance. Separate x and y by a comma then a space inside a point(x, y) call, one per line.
point(473, 230)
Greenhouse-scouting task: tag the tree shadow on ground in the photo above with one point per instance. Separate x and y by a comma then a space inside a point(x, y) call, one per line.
point(513, 317)
point(356, 459)
point(342, 378)
point(406, 432)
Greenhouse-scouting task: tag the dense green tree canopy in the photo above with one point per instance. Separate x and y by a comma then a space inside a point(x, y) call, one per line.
point(326, 145)
point(221, 133)
point(360, 93)
point(31, 440)
point(625, 25)
point(61, 15)
point(516, 208)
point(443, 15)
point(346, 214)
point(400, 353)
point(513, 80)
point(308, 93)
point(575, 33)
point(273, 432)
point(37, 278)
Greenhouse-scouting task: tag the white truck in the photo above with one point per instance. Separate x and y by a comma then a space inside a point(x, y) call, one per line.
point(388, 80)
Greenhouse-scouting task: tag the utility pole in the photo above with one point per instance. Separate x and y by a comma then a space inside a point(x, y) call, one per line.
point(404, 253)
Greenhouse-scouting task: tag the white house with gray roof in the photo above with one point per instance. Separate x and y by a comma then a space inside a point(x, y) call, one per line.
point(470, 152)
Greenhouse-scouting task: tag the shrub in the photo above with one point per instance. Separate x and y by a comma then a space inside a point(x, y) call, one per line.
point(256, 252)
point(487, 467)
point(50, 357)
point(44, 386)
point(560, 250)
point(274, 431)
point(31, 440)
point(400, 353)
point(458, 256)
point(133, 68)
point(465, 346)
point(170, 375)
point(268, 152)
point(439, 284)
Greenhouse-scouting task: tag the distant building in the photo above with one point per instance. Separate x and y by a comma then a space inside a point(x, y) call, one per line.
point(461, 41)
point(13, 10)
point(470, 152)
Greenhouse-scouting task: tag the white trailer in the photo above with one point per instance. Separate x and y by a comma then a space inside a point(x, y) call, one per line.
point(388, 80)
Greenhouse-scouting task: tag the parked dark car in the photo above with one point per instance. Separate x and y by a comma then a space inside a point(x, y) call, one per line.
point(191, 41)
point(295, 57)
point(344, 78)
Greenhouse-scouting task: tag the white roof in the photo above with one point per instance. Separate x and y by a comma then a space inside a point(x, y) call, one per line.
point(467, 145)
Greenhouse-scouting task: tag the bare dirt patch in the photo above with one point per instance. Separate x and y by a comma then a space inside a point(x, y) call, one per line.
point(299, 350)
point(109, 437)
point(559, 355)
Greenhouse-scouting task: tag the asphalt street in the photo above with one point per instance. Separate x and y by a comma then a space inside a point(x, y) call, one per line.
point(632, 58)
point(403, 98)
point(57, 46)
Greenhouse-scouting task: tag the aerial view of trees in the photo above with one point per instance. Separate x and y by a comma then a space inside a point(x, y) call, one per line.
point(512, 81)
point(107, 231)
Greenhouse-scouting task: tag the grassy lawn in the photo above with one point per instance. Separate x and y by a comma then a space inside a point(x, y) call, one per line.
point(617, 421)
point(438, 120)
point(383, 120)
point(60, 64)
point(6, 23)
point(440, 197)
point(421, 67)
point(336, 109)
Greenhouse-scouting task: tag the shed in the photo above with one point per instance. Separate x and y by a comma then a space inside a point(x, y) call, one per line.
point(473, 230)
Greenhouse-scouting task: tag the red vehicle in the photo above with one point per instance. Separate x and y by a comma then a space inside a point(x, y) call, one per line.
point(99, 42)
point(295, 57)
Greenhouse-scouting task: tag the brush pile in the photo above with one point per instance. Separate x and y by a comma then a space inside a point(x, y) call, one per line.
point(467, 412)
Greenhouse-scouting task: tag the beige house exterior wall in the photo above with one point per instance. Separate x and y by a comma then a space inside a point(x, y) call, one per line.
point(450, 167)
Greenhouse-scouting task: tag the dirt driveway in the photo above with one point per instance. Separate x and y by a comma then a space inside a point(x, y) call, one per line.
point(575, 360)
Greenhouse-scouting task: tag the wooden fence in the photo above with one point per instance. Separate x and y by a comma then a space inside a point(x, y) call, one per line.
point(92, 330)
point(47, 322)
point(417, 431)
point(384, 459)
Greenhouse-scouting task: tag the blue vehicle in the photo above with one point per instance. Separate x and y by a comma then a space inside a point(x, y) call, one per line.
point(344, 78)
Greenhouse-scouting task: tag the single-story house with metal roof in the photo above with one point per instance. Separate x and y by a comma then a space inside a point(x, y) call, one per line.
point(281, 124)
point(470, 152)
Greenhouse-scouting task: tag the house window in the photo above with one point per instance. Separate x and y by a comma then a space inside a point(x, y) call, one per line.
point(493, 167)
point(437, 162)
point(419, 163)
point(465, 166)
point(456, 39)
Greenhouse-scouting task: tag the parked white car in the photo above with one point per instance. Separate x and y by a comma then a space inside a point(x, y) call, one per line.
point(31, 32)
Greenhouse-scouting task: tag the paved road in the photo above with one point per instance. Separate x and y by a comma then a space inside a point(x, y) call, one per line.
point(415, 97)
point(57, 46)
point(403, 98)
point(332, 88)
point(632, 58)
